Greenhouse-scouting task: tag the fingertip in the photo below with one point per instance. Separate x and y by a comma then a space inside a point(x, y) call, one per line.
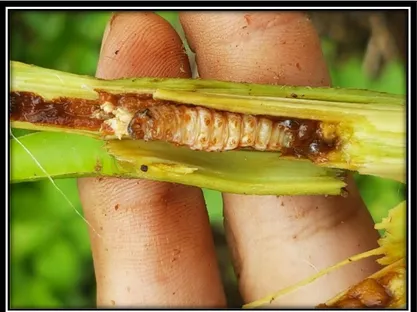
point(141, 44)
point(265, 47)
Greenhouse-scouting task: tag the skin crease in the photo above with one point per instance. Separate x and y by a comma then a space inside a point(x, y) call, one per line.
point(156, 248)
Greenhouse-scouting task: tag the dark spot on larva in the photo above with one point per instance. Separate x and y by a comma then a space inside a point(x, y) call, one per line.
point(293, 95)
point(187, 118)
point(290, 124)
point(294, 237)
point(101, 228)
point(214, 141)
point(116, 207)
point(107, 249)
point(317, 207)
point(128, 289)
point(207, 121)
point(282, 204)
point(173, 293)
point(244, 27)
point(233, 142)
point(113, 302)
point(135, 127)
point(144, 168)
point(314, 148)
point(116, 52)
point(298, 66)
point(99, 179)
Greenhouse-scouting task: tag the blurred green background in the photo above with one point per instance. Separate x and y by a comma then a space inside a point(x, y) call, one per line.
point(51, 265)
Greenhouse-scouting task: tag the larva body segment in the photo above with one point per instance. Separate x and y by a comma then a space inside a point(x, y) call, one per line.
point(234, 124)
point(218, 132)
point(263, 134)
point(205, 129)
point(248, 130)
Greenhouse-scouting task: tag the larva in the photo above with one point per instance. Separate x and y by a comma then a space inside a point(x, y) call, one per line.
point(205, 129)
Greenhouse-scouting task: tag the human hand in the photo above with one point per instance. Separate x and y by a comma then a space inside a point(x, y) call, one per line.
point(156, 246)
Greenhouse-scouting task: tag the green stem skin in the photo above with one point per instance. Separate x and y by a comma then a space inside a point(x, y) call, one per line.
point(53, 83)
point(372, 124)
point(71, 155)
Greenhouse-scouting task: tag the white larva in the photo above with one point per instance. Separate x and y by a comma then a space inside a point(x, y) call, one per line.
point(205, 129)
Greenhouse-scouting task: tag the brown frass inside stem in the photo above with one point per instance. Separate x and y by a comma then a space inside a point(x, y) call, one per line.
point(61, 112)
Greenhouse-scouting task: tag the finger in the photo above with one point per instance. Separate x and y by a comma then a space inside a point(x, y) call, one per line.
point(141, 44)
point(279, 240)
point(156, 247)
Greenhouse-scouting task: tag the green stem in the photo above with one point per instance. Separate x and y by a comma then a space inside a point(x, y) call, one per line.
point(70, 155)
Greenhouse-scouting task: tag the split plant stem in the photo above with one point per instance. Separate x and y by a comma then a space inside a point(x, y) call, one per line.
point(368, 128)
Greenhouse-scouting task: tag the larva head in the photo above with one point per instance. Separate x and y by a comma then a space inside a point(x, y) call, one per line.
point(137, 126)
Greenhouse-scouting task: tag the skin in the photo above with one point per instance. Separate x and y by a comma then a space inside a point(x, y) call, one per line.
point(156, 246)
